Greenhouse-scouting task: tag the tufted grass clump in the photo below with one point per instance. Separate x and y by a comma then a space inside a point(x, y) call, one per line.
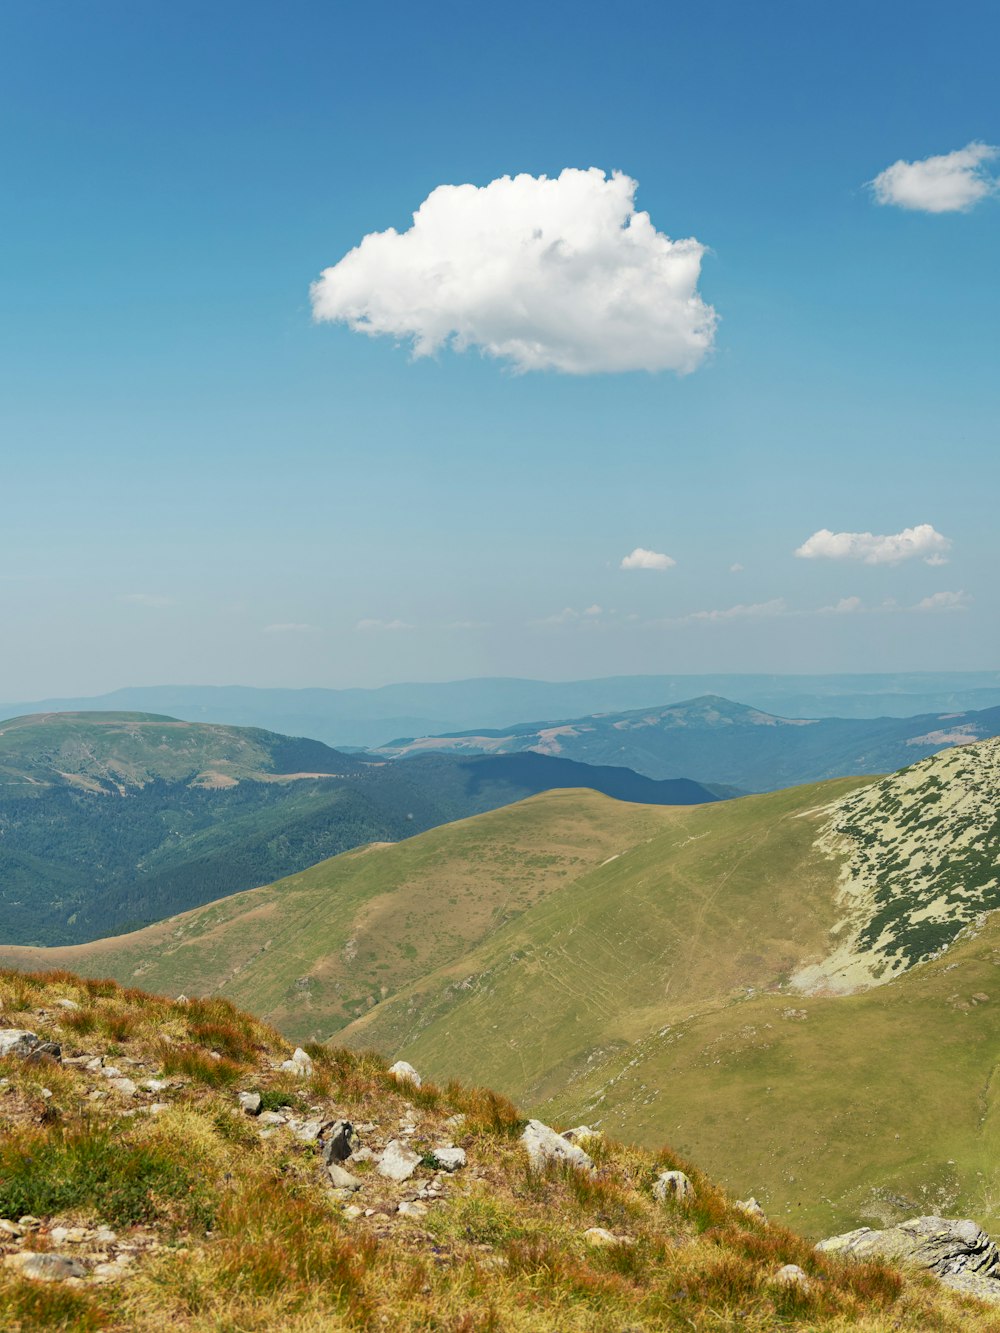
point(95, 1169)
point(193, 1063)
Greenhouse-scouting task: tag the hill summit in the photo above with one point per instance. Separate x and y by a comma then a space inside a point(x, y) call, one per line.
point(176, 1163)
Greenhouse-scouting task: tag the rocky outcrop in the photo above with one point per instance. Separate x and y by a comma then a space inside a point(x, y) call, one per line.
point(26, 1045)
point(672, 1185)
point(959, 1252)
point(403, 1072)
point(544, 1145)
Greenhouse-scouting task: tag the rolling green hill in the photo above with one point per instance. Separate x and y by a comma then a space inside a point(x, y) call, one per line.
point(797, 987)
point(715, 740)
point(110, 821)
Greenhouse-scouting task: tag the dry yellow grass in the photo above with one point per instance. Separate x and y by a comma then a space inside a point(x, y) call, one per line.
point(232, 1229)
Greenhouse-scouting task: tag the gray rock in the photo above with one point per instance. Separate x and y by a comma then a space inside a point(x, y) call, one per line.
point(599, 1238)
point(306, 1131)
point(581, 1133)
point(791, 1275)
point(403, 1072)
point(125, 1086)
point(752, 1208)
point(340, 1141)
point(398, 1162)
point(45, 1267)
point(250, 1102)
point(412, 1208)
point(450, 1159)
point(341, 1179)
point(272, 1118)
point(959, 1252)
point(672, 1185)
point(300, 1064)
point(543, 1145)
point(19, 1041)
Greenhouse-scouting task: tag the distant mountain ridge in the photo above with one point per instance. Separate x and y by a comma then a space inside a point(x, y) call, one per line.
point(112, 820)
point(370, 717)
point(713, 739)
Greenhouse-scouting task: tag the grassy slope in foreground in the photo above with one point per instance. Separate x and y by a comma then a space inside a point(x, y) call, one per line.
point(225, 1224)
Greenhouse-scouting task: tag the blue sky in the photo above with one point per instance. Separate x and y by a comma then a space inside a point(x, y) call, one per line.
point(192, 467)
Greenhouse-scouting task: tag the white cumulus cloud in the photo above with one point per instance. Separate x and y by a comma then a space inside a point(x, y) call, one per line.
point(950, 183)
point(922, 541)
point(544, 273)
point(643, 559)
point(844, 607)
point(945, 601)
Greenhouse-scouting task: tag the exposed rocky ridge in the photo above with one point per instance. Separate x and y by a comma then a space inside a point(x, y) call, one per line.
point(959, 1252)
point(923, 863)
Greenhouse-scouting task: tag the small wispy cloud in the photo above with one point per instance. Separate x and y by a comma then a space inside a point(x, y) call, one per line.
point(290, 627)
point(921, 542)
point(945, 601)
point(950, 183)
point(845, 607)
point(736, 567)
point(366, 626)
point(777, 606)
point(152, 599)
point(641, 558)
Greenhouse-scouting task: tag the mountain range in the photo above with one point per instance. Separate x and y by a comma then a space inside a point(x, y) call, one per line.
point(713, 739)
point(112, 820)
point(370, 717)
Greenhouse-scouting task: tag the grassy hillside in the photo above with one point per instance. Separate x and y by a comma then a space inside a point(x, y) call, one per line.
point(110, 821)
point(680, 973)
point(714, 740)
point(136, 1172)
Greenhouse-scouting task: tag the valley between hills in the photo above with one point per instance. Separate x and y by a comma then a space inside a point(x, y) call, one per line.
point(796, 988)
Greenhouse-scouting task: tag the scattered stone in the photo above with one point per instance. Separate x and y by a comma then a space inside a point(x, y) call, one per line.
point(672, 1185)
point(791, 1275)
point(959, 1252)
point(752, 1208)
point(155, 1108)
point(69, 1235)
point(67, 1004)
point(403, 1072)
point(272, 1118)
point(412, 1208)
point(398, 1162)
point(599, 1237)
point(449, 1159)
point(155, 1084)
point(10, 1229)
point(340, 1142)
point(250, 1102)
point(125, 1086)
point(307, 1131)
point(182, 999)
point(362, 1155)
point(341, 1179)
point(45, 1267)
point(352, 1211)
point(455, 1121)
point(543, 1144)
